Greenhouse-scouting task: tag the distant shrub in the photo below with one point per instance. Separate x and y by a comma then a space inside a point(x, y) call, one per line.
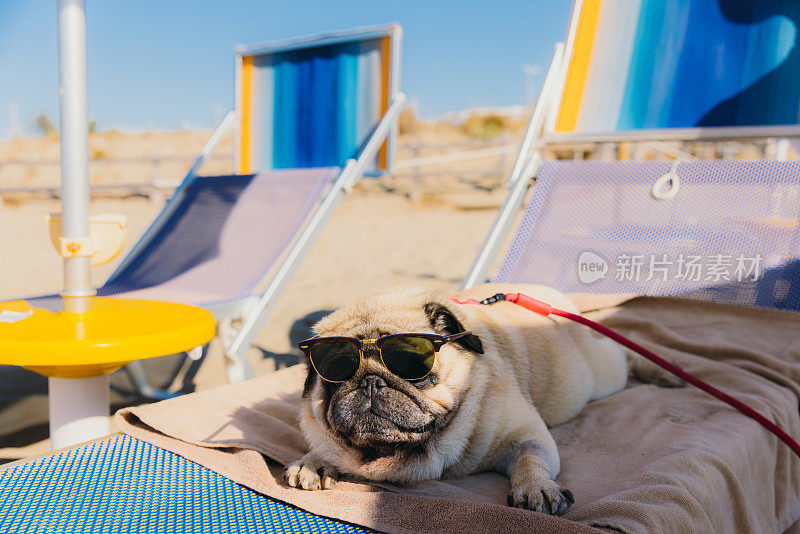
point(44, 125)
point(407, 122)
point(485, 126)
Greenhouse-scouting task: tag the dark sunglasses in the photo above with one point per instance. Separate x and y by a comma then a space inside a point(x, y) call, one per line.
point(409, 356)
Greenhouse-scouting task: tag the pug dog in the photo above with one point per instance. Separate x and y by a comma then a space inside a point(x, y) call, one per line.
point(485, 405)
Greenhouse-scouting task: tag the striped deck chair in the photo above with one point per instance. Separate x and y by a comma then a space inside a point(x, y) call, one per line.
point(632, 68)
point(629, 73)
point(315, 114)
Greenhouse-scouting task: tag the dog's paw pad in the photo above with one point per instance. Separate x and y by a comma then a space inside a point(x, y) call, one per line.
point(548, 498)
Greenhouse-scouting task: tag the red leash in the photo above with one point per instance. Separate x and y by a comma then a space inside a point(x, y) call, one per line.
point(542, 308)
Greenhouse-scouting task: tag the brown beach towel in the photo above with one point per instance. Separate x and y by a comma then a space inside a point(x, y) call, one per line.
point(647, 459)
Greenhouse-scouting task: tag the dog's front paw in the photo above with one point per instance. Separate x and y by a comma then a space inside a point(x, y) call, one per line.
point(546, 497)
point(310, 473)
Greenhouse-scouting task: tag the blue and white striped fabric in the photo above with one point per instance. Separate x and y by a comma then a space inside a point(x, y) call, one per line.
point(314, 110)
point(650, 64)
point(314, 105)
point(124, 485)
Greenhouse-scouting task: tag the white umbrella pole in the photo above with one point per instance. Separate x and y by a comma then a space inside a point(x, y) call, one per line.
point(78, 410)
point(78, 406)
point(74, 154)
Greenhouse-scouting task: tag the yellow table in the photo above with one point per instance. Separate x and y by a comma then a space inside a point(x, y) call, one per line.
point(78, 351)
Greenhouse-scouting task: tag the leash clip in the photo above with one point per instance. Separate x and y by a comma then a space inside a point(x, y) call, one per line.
point(494, 298)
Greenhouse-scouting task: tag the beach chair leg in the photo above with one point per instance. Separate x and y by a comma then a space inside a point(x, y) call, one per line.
point(238, 365)
point(138, 376)
point(187, 383)
point(195, 358)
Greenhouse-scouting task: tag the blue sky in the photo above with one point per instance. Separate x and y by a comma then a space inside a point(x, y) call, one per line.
point(169, 63)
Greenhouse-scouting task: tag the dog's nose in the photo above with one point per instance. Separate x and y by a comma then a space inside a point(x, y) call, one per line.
point(370, 385)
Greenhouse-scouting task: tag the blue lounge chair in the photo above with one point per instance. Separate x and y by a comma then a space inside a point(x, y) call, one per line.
point(713, 230)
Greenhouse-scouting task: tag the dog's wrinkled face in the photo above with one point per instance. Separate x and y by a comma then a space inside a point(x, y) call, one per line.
point(376, 412)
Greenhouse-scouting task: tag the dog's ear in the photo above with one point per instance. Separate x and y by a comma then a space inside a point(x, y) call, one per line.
point(443, 320)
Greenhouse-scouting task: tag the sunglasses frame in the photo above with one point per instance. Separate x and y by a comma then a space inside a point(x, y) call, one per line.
point(437, 340)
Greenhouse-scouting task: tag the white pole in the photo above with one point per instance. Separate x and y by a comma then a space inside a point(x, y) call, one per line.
point(531, 72)
point(78, 410)
point(78, 406)
point(74, 150)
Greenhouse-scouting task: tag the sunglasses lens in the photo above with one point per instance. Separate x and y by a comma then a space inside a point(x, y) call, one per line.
point(409, 357)
point(334, 359)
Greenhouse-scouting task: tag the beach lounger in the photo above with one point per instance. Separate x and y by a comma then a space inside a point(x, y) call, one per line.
point(315, 114)
point(716, 231)
point(719, 231)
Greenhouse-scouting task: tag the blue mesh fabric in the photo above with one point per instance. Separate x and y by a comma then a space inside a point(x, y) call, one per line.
point(223, 236)
point(124, 485)
point(731, 234)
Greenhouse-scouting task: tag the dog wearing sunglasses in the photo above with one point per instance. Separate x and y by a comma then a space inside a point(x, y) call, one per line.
point(476, 392)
